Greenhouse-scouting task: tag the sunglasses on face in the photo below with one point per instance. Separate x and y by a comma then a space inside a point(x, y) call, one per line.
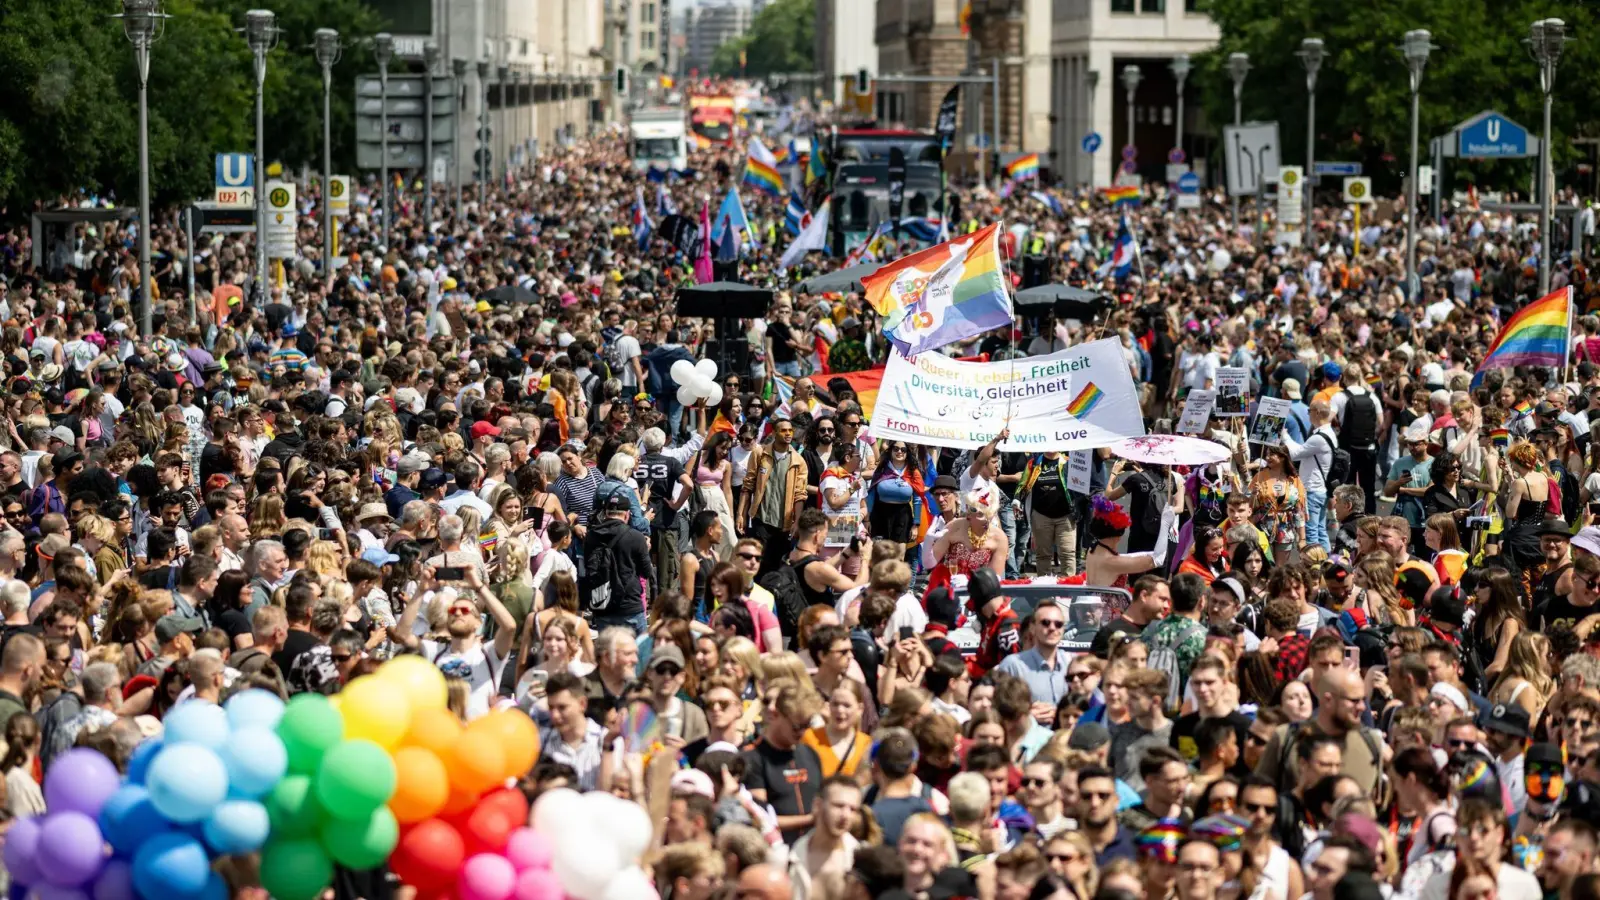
point(752, 557)
point(1050, 624)
point(1034, 781)
point(1253, 808)
point(1063, 857)
point(668, 670)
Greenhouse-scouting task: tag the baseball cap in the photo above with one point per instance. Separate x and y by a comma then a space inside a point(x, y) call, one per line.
point(1291, 388)
point(169, 626)
point(379, 556)
point(484, 429)
point(433, 477)
point(1509, 719)
point(1088, 736)
point(617, 503)
point(412, 463)
point(63, 434)
point(665, 653)
point(693, 781)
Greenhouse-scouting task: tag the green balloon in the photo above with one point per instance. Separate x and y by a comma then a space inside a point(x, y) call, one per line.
point(361, 845)
point(355, 778)
point(295, 869)
point(309, 727)
point(293, 808)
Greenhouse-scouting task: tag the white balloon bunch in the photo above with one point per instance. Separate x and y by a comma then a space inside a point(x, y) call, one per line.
point(696, 381)
point(598, 842)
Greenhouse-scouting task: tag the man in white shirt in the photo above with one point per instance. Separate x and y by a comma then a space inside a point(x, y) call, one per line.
point(629, 352)
point(1315, 459)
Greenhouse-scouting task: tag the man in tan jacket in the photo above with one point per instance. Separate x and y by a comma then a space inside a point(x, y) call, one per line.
point(774, 493)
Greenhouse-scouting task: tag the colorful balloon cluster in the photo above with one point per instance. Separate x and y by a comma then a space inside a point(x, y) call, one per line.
point(61, 855)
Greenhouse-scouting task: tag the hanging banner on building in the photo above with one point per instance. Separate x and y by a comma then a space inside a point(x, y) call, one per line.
point(1080, 398)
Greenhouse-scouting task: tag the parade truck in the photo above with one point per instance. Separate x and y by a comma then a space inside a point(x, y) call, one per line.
point(658, 139)
point(711, 119)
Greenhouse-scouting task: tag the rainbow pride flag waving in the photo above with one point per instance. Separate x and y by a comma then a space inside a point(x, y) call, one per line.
point(946, 293)
point(761, 170)
point(1540, 334)
point(1023, 167)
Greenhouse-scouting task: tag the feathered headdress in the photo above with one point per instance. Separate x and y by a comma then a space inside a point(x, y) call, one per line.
point(1110, 513)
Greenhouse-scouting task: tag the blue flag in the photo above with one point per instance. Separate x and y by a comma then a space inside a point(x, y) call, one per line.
point(731, 216)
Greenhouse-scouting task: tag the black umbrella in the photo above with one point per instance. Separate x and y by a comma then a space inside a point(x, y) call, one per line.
point(839, 281)
point(510, 293)
point(1062, 301)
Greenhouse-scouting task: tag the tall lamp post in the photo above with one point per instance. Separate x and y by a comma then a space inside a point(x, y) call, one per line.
point(326, 44)
point(1418, 44)
point(1311, 55)
point(1131, 76)
point(1545, 40)
point(1091, 80)
point(503, 79)
point(482, 157)
point(1238, 68)
point(383, 51)
point(430, 62)
point(261, 33)
point(141, 23)
point(458, 67)
point(1180, 72)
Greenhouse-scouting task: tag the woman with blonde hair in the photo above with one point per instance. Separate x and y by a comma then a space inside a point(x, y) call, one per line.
point(973, 542)
point(323, 558)
point(784, 666)
point(1071, 857)
point(1441, 536)
point(1374, 577)
point(267, 518)
point(99, 540)
point(742, 662)
point(1525, 680)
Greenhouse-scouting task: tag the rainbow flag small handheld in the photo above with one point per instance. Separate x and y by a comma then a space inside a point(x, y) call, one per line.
point(1023, 167)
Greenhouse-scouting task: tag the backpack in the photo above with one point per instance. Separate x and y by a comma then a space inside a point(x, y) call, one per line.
point(1157, 503)
point(601, 575)
point(788, 598)
point(1359, 426)
point(1291, 738)
point(1338, 470)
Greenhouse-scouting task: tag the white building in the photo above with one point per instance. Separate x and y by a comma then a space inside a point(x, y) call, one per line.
point(1091, 43)
point(709, 26)
point(844, 43)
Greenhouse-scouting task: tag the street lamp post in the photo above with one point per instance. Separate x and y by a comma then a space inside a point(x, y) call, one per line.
point(1131, 76)
point(1180, 71)
point(1091, 80)
point(1418, 44)
point(1545, 41)
point(383, 51)
point(261, 33)
point(1238, 68)
point(1311, 55)
point(458, 67)
point(326, 44)
point(141, 23)
point(430, 62)
point(503, 78)
point(482, 157)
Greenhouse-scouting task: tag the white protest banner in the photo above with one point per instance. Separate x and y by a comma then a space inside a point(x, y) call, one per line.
point(1267, 426)
point(1080, 398)
point(1196, 411)
point(1080, 471)
point(1233, 392)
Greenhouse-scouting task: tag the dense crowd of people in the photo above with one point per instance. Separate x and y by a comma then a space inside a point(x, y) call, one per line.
point(1359, 662)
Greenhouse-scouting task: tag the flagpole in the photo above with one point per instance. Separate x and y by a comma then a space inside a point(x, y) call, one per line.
point(1138, 257)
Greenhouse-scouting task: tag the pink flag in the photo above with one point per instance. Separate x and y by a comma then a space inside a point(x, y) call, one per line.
point(702, 264)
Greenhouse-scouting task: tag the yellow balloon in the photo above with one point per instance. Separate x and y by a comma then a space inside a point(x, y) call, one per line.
point(377, 710)
point(421, 680)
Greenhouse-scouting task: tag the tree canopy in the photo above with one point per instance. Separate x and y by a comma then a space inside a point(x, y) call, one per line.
point(1363, 91)
point(780, 39)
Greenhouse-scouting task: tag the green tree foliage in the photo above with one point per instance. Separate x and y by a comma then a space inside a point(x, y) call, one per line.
point(69, 116)
point(781, 39)
point(1363, 91)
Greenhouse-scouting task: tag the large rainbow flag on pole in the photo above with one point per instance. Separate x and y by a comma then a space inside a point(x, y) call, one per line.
point(946, 293)
point(1538, 335)
point(761, 170)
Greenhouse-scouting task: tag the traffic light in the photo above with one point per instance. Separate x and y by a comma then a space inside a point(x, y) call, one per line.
point(863, 82)
point(622, 80)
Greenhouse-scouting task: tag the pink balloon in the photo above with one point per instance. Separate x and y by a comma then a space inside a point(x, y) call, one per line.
point(538, 884)
point(528, 849)
point(488, 877)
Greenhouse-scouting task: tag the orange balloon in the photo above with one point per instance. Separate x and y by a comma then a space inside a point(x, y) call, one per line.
point(459, 801)
point(422, 785)
point(436, 730)
point(477, 763)
point(517, 736)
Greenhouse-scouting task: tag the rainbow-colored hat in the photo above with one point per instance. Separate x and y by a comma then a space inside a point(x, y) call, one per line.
point(1225, 830)
point(1160, 841)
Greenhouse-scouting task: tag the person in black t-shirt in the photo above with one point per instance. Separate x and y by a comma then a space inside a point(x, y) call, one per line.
point(781, 771)
point(1055, 533)
point(1147, 493)
point(1575, 606)
point(1151, 600)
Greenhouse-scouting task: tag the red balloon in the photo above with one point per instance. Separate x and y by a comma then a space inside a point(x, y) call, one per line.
point(512, 800)
point(429, 856)
point(486, 828)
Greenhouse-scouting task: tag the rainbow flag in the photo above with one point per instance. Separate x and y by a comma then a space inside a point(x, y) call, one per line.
point(488, 540)
point(1124, 195)
point(964, 18)
point(1500, 437)
point(946, 293)
point(1023, 167)
point(1087, 399)
point(761, 170)
point(1538, 335)
point(1525, 408)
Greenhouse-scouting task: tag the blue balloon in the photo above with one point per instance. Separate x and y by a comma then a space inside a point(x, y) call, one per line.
point(237, 826)
point(115, 881)
point(186, 782)
point(196, 723)
point(139, 762)
point(22, 851)
point(128, 819)
point(215, 889)
point(256, 761)
point(171, 863)
point(254, 708)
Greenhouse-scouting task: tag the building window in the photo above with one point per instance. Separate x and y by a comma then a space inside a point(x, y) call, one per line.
point(1192, 6)
point(1122, 6)
point(1153, 6)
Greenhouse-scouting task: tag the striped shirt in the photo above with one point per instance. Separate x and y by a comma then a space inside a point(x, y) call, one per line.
point(583, 757)
point(290, 357)
point(577, 494)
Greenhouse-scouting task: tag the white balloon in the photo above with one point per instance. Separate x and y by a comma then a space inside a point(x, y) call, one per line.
point(707, 367)
point(714, 396)
point(687, 395)
point(585, 861)
point(629, 884)
point(681, 371)
point(556, 811)
point(701, 384)
point(627, 825)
